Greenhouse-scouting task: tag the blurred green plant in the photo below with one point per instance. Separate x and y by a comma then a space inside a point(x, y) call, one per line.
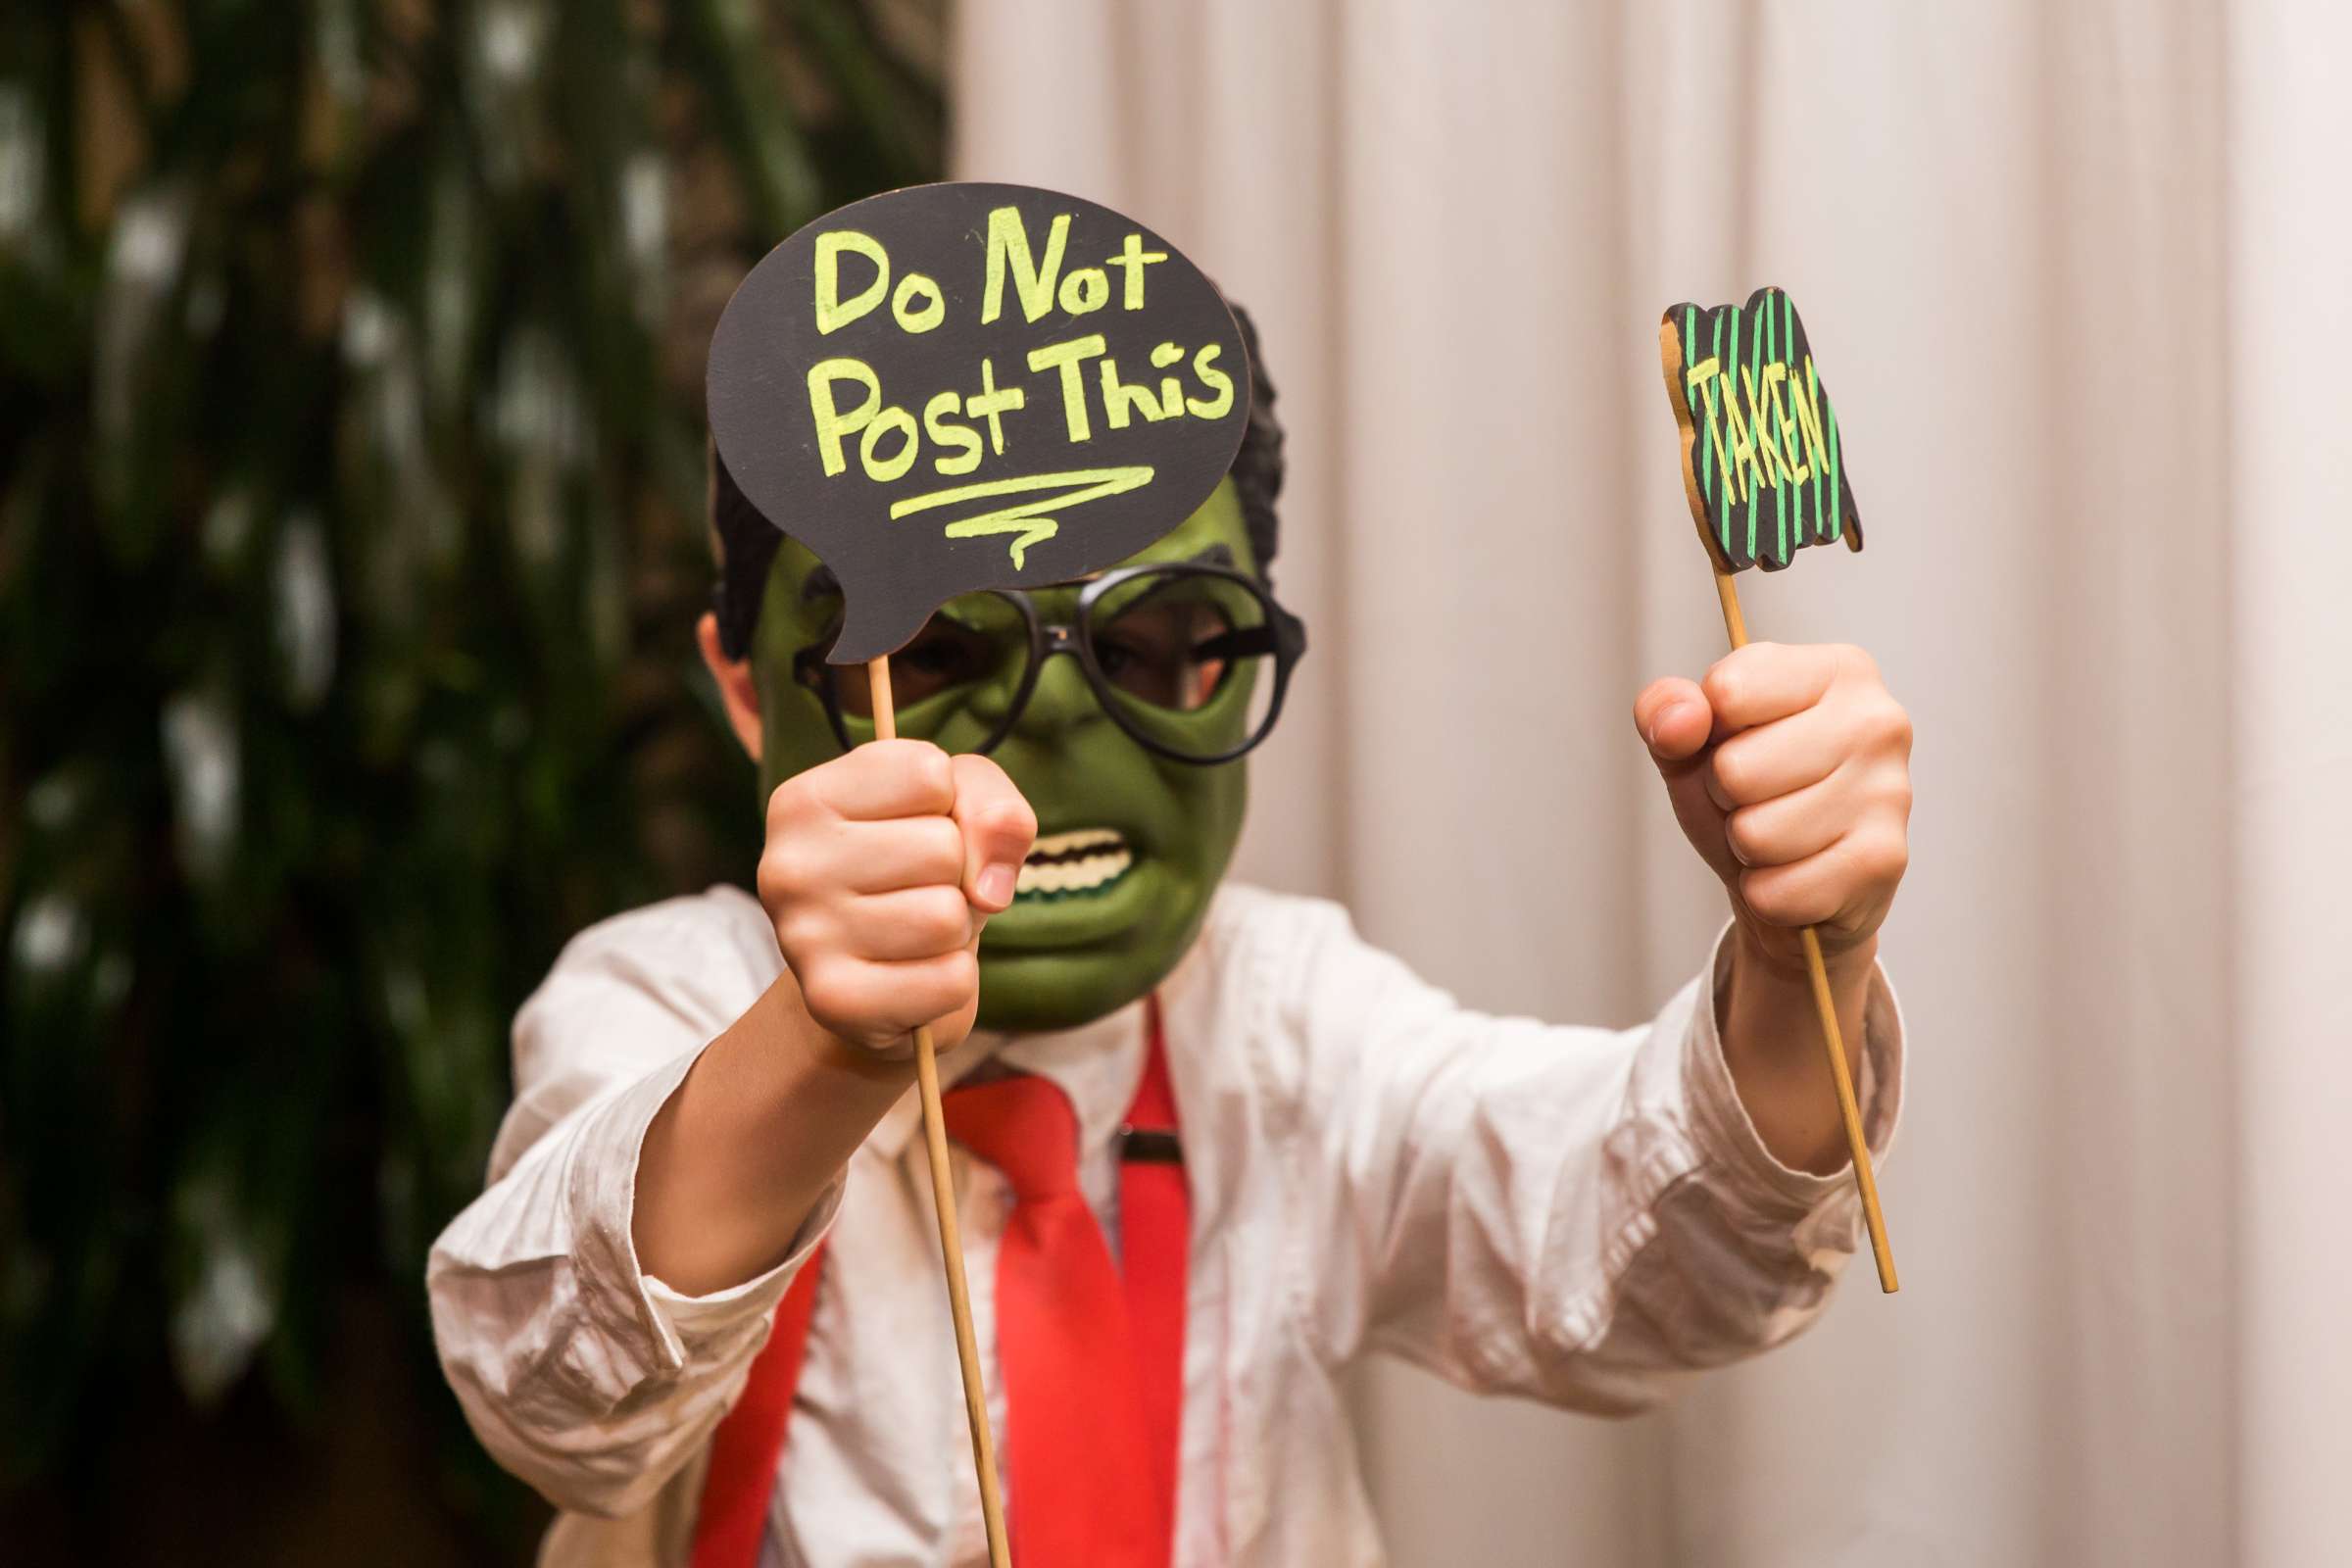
point(351, 482)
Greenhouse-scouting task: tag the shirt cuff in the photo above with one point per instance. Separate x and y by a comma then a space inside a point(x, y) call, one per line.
point(630, 1307)
point(1825, 1211)
point(698, 1319)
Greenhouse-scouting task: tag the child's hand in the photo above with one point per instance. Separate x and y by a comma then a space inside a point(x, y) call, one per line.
point(880, 869)
point(1789, 770)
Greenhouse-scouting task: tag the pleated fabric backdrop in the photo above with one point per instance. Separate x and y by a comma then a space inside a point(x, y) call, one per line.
point(2077, 274)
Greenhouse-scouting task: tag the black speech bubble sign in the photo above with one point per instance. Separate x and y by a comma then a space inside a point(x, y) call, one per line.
point(963, 386)
point(1763, 463)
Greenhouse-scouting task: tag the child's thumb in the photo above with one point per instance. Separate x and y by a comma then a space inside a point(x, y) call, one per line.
point(997, 827)
point(1675, 722)
point(1674, 718)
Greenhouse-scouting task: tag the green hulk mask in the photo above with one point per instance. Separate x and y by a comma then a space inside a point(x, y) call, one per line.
point(1131, 842)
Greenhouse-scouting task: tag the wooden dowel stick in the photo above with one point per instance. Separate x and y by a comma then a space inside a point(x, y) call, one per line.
point(1735, 626)
point(951, 1236)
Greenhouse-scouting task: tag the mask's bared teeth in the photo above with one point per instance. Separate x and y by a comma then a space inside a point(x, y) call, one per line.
point(1080, 873)
point(1059, 848)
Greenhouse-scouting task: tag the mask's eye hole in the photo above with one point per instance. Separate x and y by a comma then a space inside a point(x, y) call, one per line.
point(1170, 642)
point(975, 639)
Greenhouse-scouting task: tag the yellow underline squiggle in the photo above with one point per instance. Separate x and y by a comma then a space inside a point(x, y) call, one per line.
point(1026, 518)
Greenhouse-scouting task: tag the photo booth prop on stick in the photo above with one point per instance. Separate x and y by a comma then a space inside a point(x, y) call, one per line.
point(970, 386)
point(965, 386)
point(1764, 471)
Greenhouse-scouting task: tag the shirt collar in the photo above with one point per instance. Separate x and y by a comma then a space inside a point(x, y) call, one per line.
point(1097, 1065)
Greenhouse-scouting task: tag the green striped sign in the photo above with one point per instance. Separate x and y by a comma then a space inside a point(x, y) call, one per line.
point(1761, 457)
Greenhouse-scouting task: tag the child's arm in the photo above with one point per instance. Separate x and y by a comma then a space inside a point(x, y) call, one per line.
point(880, 869)
point(1578, 1215)
point(1790, 772)
point(1583, 1216)
point(684, 1108)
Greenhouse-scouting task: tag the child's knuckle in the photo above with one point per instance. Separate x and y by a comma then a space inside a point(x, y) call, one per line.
point(1769, 897)
point(1891, 722)
point(1735, 770)
point(801, 932)
point(959, 975)
point(1854, 662)
point(829, 989)
point(939, 918)
point(937, 847)
point(1010, 818)
point(788, 802)
point(931, 774)
point(1749, 834)
point(1886, 858)
point(786, 873)
point(935, 988)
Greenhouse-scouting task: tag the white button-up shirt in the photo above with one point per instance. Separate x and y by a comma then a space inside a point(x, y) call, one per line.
point(1576, 1215)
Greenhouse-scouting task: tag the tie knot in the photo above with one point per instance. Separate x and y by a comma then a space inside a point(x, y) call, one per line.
point(1025, 1126)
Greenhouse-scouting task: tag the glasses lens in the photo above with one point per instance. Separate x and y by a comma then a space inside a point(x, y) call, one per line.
point(971, 645)
point(1189, 657)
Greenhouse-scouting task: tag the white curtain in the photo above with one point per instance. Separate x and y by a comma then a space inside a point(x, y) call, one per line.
point(2082, 278)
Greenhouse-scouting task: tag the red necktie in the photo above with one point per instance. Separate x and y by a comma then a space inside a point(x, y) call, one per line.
point(1156, 1229)
point(1156, 1225)
point(1085, 1492)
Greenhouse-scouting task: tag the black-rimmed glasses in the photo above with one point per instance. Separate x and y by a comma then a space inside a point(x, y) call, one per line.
point(1191, 659)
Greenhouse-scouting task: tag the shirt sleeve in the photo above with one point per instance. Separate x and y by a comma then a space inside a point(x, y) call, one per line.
point(1579, 1215)
point(581, 1374)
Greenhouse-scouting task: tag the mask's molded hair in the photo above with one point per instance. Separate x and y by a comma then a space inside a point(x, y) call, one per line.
point(746, 542)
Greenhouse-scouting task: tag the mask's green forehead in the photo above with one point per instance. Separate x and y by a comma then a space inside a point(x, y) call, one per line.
point(807, 609)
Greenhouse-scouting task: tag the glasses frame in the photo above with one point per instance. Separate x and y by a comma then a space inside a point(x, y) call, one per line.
point(1049, 637)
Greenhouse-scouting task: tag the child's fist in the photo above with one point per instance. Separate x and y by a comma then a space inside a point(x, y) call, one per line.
point(880, 869)
point(1790, 769)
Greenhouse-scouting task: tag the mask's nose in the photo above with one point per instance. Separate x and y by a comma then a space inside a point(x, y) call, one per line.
point(1062, 701)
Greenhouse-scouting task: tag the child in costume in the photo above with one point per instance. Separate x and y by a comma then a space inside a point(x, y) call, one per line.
point(1211, 1145)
